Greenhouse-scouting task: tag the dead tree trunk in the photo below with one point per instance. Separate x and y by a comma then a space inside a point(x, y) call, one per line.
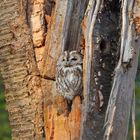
point(68, 15)
point(34, 33)
point(120, 103)
point(101, 57)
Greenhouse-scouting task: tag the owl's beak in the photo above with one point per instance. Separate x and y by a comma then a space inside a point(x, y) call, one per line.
point(67, 64)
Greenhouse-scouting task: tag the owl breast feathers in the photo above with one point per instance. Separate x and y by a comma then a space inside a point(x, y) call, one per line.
point(69, 74)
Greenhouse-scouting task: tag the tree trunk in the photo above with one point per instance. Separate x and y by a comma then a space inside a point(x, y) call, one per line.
point(34, 33)
point(101, 56)
point(68, 15)
point(19, 71)
point(120, 103)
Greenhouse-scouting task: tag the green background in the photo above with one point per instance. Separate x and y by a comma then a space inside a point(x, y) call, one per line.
point(5, 133)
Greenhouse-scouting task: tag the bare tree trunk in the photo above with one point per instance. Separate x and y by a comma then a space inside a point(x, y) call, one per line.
point(34, 33)
point(19, 71)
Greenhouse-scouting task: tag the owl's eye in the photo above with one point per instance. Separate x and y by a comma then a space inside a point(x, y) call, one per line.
point(63, 59)
point(74, 59)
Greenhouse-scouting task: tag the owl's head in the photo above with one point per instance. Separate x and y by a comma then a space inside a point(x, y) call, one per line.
point(68, 59)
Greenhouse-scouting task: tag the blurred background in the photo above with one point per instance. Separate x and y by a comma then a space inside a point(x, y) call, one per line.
point(5, 132)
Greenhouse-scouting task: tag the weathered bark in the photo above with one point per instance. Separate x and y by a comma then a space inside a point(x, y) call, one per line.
point(101, 56)
point(118, 113)
point(66, 15)
point(19, 71)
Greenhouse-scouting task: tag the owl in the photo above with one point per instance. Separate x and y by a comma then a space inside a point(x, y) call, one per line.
point(69, 76)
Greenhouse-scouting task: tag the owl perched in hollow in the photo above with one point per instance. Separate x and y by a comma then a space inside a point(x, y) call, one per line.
point(69, 76)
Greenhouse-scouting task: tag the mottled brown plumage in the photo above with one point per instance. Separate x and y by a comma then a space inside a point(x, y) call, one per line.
point(69, 75)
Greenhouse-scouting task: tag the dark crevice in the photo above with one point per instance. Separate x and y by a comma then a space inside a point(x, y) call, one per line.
point(47, 78)
point(106, 57)
point(102, 45)
point(28, 12)
point(49, 5)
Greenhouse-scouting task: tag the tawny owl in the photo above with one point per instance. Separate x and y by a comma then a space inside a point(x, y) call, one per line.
point(69, 75)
